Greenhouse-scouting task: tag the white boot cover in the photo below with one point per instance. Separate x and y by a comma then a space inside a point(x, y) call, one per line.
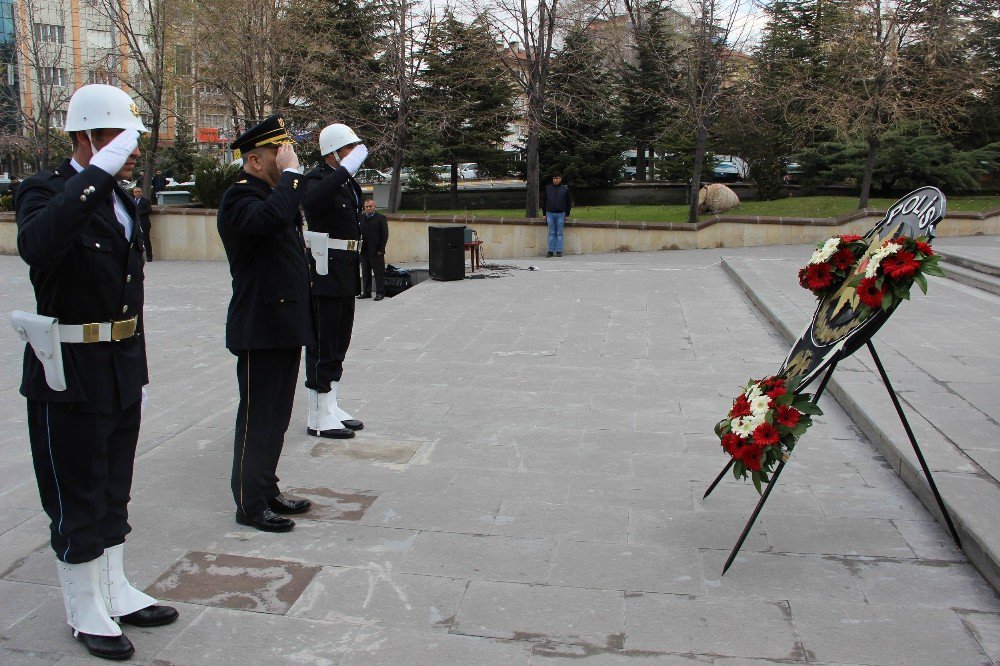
point(119, 595)
point(86, 610)
point(320, 415)
point(335, 409)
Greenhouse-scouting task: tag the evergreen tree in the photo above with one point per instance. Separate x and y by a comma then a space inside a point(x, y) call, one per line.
point(582, 133)
point(466, 100)
point(983, 126)
point(648, 82)
point(178, 159)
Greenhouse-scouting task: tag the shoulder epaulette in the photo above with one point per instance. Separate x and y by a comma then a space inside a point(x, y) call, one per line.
point(242, 182)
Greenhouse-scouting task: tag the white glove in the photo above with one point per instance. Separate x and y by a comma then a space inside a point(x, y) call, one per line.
point(112, 157)
point(355, 159)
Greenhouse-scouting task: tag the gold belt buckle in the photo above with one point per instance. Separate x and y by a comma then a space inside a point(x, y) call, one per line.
point(122, 330)
point(352, 245)
point(91, 332)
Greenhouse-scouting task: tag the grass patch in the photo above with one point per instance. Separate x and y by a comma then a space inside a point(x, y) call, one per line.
point(793, 207)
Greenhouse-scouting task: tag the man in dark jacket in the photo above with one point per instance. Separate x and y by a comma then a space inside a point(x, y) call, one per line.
point(159, 182)
point(144, 208)
point(270, 317)
point(556, 204)
point(374, 236)
point(85, 366)
point(332, 207)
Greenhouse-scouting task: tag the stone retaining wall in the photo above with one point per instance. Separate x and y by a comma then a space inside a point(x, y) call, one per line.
point(190, 233)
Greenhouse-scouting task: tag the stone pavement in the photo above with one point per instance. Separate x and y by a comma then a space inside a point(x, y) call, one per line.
point(528, 486)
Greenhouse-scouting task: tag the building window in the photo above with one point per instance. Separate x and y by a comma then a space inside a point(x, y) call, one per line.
point(216, 120)
point(46, 32)
point(183, 100)
point(54, 76)
point(58, 119)
point(182, 60)
point(100, 76)
point(99, 39)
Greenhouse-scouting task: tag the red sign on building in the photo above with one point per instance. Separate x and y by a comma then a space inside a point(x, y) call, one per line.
point(208, 135)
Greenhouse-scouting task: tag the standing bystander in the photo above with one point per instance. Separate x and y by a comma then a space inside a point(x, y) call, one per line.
point(144, 208)
point(374, 236)
point(556, 203)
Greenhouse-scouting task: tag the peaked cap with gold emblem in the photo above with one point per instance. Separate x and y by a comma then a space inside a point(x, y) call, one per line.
point(269, 132)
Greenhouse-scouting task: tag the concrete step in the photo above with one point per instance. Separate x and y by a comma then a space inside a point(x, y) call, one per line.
point(969, 263)
point(972, 277)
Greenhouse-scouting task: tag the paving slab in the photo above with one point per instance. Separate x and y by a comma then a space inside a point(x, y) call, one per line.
point(528, 486)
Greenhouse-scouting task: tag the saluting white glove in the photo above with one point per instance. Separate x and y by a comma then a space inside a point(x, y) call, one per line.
point(355, 159)
point(112, 157)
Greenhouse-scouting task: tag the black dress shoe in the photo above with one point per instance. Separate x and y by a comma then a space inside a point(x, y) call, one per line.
point(353, 424)
point(281, 504)
point(378, 297)
point(107, 647)
point(332, 433)
point(266, 521)
point(150, 616)
point(365, 295)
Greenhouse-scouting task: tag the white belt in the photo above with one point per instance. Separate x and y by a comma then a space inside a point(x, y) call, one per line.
point(349, 245)
point(105, 331)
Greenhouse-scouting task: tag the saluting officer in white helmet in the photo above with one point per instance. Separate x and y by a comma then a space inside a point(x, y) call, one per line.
point(85, 364)
point(332, 206)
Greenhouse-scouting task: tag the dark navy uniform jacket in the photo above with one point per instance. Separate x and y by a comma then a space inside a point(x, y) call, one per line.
point(84, 270)
point(332, 205)
point(261, 229)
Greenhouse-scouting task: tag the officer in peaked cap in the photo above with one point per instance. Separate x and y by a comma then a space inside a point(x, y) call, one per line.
point(270, 315)
point(332, 207)
point(85, 366)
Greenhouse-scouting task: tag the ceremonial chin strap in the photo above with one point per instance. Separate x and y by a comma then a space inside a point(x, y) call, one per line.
point(90, 137)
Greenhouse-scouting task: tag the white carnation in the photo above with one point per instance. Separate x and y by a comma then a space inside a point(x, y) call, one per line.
point(824, 253)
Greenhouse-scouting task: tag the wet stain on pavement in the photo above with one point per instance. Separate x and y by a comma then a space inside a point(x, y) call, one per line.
point(328, 504)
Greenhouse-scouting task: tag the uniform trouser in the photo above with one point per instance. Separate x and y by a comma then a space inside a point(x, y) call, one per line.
point(144, 226)
point(369, 265)
point(325, 359)
point(267, 380)
point(83, 465)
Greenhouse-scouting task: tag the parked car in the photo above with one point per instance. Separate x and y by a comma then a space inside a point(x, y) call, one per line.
point(793, 173)
point(468, 171)
point(726, 172)
point(371, 176)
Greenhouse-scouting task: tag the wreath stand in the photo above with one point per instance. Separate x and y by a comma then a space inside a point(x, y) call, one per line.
point(830, 363)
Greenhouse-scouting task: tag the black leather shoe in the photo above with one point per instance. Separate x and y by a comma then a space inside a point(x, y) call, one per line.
point(558, 254)
point(332, 433)
point(353, 424)
point(266, 521)
point(378, 297)
point(367, 295)
point(117, 648)
point(281, 504)
point(548, 254)
point(150, 616)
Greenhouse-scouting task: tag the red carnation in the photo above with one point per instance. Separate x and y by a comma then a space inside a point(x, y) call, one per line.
point(765, 434)
point(900, 265)
point(787, 416)
point(741, 407)
point(924, 248)
point(869, 293)
point(818, 277)
point(849, 238)
point(842, 259)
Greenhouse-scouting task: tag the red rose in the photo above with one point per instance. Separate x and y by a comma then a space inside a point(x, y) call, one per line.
point(765, 434)
point(741, 407)
point(924, 248)
point(900, 265)
point(849, 238)
point(818, 277)
point(842, 259)
point(787, 416)
point(869, 293)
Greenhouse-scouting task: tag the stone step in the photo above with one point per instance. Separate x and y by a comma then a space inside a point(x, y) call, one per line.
point(969, 263)
point(972, 277)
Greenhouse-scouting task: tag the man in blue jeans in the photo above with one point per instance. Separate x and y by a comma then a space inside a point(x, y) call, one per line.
point(556, 206)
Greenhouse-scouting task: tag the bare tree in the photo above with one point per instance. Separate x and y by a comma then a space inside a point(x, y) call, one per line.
point(46, 63)
point(894, 61)
point(143, 30)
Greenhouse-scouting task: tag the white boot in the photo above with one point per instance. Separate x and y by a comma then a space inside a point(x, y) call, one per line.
point(334, 408)
point(321, 417)
point(119, 595)
point(86, 610)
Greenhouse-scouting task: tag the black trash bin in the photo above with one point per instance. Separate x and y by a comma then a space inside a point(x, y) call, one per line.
point(446, 252)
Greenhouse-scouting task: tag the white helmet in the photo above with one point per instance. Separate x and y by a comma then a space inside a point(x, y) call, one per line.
point(98, 106)
point(336, 136)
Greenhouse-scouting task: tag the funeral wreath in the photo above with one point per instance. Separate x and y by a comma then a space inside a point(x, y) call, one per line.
point(883, 280)
point(831, 264)
point(761, 429)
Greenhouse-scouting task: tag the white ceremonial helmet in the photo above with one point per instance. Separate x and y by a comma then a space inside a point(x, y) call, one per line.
point(334, 137)
point(97, 106)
